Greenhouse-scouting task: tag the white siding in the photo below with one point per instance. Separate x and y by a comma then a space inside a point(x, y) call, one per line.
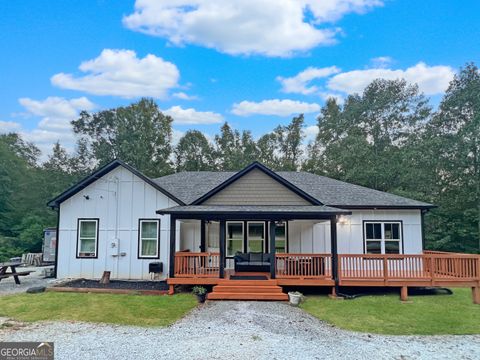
point(309, 236)
point(118, 199)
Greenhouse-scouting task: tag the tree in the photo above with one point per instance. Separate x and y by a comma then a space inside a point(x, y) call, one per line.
point(58, 161)
point(194, 153)
point(234, 151)
point(289, 141)
point(363, 141)
point(82, 162)
point(138, 134)
point(453, 136)
point(267, 147)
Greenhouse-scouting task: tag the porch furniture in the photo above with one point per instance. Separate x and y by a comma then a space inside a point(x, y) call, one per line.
point(13, 272)
point(252, 262)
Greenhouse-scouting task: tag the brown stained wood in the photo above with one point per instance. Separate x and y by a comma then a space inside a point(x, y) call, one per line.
point(404, 293)
point(476, 295)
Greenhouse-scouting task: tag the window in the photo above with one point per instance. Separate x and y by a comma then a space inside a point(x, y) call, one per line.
point(87, 240)
point(148, 238)
point(256, 236)
point(383, 237)
point(234, 238)
point(281, 238)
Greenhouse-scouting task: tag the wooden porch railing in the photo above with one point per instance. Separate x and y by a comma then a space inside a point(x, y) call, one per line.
point(303, 266)
point(435, 266)
point(432, 267)
point(188, 264)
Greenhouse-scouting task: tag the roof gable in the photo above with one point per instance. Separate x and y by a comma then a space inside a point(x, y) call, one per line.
point(256, 185)
point(82, 184)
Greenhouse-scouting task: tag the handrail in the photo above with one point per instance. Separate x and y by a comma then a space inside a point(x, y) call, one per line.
point(204, 264)
point(303, 266)
point(422, 266)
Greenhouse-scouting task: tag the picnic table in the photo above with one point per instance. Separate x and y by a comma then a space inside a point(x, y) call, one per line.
point(4, 273)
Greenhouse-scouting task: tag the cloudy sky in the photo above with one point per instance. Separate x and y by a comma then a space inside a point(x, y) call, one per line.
point(253, 63)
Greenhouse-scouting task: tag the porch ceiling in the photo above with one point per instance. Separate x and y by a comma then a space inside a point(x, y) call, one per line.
point(246, 212)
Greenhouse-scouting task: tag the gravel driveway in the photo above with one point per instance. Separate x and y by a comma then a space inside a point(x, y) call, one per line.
point(36, 278)
point(239, 330)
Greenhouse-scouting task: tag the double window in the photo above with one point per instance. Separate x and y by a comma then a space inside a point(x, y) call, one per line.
point(383, 237)
point(87, 238)
point(148, 238)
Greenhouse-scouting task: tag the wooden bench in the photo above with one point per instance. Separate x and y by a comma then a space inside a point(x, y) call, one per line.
point(4, 273)
point(21, 273)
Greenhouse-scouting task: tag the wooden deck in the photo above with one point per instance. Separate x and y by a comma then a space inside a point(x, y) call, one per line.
point(431, 269)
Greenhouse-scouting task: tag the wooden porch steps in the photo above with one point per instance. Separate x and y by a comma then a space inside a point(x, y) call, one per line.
point(247, 290)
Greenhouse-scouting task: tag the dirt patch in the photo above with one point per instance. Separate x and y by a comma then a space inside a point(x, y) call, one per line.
point(117, 284)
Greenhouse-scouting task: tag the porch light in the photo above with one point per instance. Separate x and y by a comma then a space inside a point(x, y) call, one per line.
point(343, 220)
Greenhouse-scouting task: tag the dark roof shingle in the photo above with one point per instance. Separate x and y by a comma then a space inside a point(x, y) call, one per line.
point(191, 185)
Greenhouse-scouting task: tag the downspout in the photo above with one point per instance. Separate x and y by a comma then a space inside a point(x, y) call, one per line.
point(56, 242)
point(423, 212)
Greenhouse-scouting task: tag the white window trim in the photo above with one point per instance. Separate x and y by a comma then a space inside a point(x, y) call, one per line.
point(383, 240)
point(227, 239)
point(248, 236)
point(140, 239)
point(79, 254)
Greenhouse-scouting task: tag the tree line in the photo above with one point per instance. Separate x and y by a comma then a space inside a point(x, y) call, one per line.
point(388, 138)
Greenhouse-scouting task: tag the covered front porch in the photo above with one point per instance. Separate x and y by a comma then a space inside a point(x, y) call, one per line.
point(215, 266)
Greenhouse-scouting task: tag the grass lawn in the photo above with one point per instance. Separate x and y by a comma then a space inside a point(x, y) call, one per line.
point(99, 308)
point(425, 315)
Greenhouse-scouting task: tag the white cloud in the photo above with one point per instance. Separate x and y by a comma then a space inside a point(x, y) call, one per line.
point(299, 84)
point(381, 62)
point(183, 96)
point(122, 73)
point(56, 112)
point(55, 115)
point(192, 116)
point(310, 133)
point(274, 107)
point(9, 126)
point(265, 27)
point(431, 80)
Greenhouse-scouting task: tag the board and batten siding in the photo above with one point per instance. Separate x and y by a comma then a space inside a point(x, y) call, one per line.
point(118, 199)
point(313, 236)
point(256, 188)
point(308, 236)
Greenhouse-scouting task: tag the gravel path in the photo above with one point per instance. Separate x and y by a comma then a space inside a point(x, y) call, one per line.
point(239, 330)
point(36, 278)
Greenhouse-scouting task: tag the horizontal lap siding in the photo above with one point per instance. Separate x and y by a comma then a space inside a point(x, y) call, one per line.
point(136, 199)
point(256, 188)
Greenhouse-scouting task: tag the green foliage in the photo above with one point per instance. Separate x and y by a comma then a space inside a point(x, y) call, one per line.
point(139, 134)
point(387, 138)
point(234, 151)
point(194, 152)
point(98, 308)
point(425, 315)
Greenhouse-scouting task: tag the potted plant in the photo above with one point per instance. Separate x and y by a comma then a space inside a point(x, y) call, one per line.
point(295, 297)
point(200, 292)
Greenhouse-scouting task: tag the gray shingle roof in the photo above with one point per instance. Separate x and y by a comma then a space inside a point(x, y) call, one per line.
point(257, 209)
point(189, 186)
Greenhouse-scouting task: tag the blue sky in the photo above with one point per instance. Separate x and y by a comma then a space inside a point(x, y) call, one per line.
point(252, 63)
